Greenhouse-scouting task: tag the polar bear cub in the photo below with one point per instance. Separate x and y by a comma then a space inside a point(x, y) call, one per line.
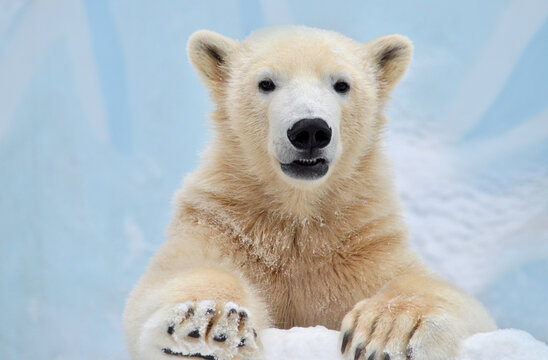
point(292, 219)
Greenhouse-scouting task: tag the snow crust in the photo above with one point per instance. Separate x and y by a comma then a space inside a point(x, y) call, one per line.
point(319, 343)
point(507, 344)
point(299, 343)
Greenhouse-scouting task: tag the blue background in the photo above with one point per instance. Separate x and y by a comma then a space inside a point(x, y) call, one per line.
point(101, 115)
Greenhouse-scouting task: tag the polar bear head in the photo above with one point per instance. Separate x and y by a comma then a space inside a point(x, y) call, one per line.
point(298, 104)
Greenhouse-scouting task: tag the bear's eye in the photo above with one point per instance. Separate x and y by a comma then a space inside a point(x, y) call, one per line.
point(267, 85)
point(341, 87)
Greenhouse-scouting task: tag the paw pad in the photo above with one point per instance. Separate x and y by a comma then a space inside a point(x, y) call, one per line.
point(194, 334)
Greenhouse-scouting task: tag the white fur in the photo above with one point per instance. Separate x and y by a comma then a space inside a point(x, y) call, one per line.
point(303, 98)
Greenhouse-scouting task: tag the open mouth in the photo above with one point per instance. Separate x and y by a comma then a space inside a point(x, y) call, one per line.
point(306, 169)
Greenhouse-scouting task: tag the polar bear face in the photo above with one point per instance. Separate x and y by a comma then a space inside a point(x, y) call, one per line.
point(301, 103)
point(304, 115)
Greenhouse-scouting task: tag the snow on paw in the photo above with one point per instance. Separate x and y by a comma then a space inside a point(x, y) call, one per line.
point(248, 345)
point(210, 331)
point(187, 325)
point(398, 329)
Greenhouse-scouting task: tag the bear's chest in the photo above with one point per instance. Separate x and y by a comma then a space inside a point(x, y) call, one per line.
point(315, 291)
point(306, 274)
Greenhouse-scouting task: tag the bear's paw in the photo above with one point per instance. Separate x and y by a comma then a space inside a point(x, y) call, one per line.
point(399, 329)
point(207, 330)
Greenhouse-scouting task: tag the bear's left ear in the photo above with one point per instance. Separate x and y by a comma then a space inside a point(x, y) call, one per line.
point(208, 52)
point(391, 56)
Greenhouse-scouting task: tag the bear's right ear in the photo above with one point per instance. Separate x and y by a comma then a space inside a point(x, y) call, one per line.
point(208, 53)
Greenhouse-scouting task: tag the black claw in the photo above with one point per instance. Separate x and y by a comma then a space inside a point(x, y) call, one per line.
point(255, 333)
point(243, 314)
point(220, 338)
point(358, 352)
point(386, 357)
point(232, 311)
point(167, 351)
point(345, 339)
point(190, 311)
point(210, 311)
point(194, 334)
point(170, 330)
point(372, 356)
point(242, 343)
point(409, 353)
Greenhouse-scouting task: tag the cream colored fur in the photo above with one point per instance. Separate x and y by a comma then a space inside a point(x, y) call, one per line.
point(291, 253)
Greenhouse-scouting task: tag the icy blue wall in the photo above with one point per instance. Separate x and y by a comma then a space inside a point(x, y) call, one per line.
point(101, 116)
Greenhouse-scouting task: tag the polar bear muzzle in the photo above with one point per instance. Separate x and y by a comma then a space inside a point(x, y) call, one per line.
point(308, 136)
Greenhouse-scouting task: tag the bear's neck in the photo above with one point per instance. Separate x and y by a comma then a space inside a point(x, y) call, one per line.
point(293, 223)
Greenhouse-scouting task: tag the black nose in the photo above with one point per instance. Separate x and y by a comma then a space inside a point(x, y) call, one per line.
point(309, 134)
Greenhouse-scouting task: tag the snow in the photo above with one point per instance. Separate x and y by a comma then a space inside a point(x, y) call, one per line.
point(301, 344)
point(507, 344)
point(319, 343)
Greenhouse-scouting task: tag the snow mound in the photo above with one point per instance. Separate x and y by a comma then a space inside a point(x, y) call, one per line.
point(507, 344)
point(314, 343)
point(319, 343)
